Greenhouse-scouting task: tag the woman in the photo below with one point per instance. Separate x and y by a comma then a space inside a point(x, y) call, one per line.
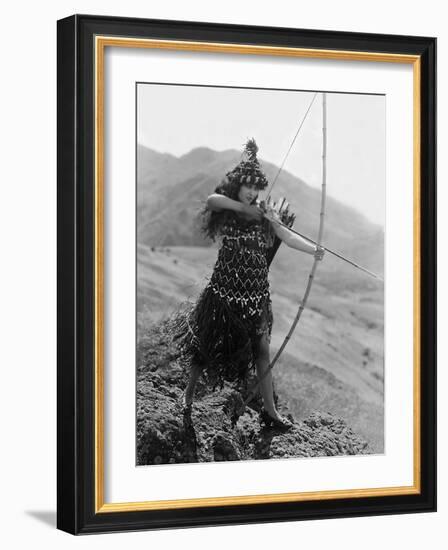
point(227, 332)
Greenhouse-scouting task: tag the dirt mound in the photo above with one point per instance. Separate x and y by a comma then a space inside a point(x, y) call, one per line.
point(213, 431)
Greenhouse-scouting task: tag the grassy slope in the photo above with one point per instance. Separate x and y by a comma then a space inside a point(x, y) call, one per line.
point(334, 362)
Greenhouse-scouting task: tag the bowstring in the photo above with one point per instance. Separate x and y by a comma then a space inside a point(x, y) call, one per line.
point(292, 143)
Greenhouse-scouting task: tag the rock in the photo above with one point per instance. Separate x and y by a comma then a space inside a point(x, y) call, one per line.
point(214, 431)
point(224, 447)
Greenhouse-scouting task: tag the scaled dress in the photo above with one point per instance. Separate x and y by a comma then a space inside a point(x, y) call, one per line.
point(222, 330)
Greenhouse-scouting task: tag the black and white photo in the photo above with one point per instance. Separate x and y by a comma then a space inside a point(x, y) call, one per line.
point(260, 263)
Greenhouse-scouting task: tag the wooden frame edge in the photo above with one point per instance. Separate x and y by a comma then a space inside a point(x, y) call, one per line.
point(100, 43)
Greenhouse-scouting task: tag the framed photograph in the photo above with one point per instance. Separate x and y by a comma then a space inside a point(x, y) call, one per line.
point(246, 274)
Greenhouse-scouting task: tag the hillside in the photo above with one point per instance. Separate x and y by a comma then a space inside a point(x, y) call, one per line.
point(335, 358)
point(171, 192)
point(334, 362)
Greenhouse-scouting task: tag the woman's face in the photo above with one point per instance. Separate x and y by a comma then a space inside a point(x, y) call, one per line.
point(247, 194)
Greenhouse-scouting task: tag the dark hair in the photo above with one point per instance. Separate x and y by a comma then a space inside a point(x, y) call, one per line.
point(212, 220)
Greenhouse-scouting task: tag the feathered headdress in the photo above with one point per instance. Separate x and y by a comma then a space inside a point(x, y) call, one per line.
point(248, 170)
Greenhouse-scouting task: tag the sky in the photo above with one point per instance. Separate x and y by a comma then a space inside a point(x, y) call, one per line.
point(176, 119)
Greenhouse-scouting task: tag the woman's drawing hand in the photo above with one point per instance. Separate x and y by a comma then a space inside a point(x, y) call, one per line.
point(253, 212)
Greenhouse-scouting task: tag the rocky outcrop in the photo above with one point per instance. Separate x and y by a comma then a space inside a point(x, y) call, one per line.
point(215, 430)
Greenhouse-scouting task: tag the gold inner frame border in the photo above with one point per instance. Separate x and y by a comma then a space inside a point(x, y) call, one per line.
point(101, 42)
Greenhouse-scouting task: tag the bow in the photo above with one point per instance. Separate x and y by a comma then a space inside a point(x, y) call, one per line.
point(318, 242)
point(323, 197)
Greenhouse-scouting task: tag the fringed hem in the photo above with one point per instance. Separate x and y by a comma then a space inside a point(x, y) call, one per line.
point(222, 340)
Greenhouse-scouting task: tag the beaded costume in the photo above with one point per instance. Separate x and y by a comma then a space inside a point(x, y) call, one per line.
point(222, 330)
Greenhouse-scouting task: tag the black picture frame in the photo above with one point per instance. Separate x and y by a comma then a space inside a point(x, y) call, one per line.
point(77, 511)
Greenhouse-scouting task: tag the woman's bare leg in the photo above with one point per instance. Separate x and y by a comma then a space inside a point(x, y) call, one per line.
point(266, 388)
point(195, 373)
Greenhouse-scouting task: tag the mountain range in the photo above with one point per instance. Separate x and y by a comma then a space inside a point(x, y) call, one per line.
point(171, 192)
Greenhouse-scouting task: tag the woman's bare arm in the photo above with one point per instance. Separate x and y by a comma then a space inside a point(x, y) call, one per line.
point(218, 202)
point(292, 240)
